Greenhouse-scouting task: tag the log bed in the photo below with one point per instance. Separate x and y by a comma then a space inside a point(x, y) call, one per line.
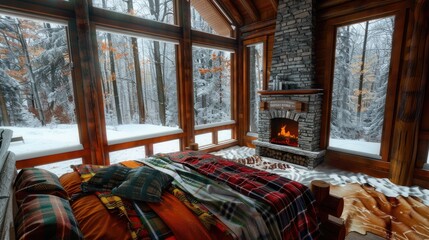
point(203, 187)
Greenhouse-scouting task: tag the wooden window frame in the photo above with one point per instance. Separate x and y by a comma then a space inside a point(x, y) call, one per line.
point(83, 20)
point(343, 159)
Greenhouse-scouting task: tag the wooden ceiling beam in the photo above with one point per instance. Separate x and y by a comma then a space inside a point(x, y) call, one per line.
point(232, 11)
point(250, 9)
point(274, 4)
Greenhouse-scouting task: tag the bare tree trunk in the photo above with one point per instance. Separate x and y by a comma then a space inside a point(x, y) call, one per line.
point(33, 84)
point(362, 69)
point(159, 82)
point(114, 82)
point(3, 108)
point(139, 85)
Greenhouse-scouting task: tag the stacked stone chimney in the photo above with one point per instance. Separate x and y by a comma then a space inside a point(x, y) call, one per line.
point(293, 54)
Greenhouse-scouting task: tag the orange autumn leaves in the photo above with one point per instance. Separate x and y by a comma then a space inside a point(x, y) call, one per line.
point(215, 69)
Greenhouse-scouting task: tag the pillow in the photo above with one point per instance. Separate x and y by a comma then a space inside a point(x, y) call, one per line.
point(37, 181)
point(71, 182)
point(106, 179)
point(46, 217)
point(143, 184)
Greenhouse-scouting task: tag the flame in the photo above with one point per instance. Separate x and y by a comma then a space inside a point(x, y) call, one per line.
point(287, 134)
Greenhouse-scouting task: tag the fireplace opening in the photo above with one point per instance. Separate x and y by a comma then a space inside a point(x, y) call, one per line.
point(284, 131)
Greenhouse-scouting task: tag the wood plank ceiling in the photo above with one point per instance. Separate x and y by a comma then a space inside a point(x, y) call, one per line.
point(246, 12)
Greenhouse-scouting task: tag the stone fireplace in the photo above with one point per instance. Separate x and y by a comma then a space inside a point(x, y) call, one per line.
point(291, 109)
point(280, 109)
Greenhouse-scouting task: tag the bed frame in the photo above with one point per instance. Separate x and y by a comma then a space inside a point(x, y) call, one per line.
point(329, 207)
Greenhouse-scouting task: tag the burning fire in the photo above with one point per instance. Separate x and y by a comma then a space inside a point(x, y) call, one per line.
point(287, 134)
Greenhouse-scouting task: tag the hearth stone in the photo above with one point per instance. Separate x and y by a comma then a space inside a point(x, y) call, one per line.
point(309, 159)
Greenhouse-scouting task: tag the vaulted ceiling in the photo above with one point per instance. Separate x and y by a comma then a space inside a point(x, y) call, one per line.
point(244, 12)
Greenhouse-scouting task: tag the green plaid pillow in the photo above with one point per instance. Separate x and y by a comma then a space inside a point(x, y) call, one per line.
point(37, 181)
point(143, 184)
point(106, 179)
point(46, 217)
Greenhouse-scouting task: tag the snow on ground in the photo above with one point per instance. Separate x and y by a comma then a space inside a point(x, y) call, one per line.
point(357, 146)
point(59, 138)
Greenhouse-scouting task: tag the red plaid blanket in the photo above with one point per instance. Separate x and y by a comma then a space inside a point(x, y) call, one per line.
point(292, 202)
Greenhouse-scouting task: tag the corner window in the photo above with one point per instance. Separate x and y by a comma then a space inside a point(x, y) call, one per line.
point(256, 74)
point(361, 75)
point(36, 88)
point(139, 87)
point(212, 85)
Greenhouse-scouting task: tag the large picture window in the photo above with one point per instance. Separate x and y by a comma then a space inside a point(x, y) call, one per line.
point(36, 89)
point(139, 86)
point(212, 85)
point(361, 73)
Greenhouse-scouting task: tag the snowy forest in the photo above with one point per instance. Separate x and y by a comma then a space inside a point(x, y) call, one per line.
point(362, 62)
point(139, 75)
point(36, 88)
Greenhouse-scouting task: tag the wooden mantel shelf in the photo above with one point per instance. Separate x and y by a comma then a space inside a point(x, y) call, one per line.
point(291, 92)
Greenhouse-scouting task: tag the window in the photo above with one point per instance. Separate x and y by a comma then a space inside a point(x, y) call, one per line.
point(139, 87)
point(361, 72)
point(127, 154)
point(167, 146)
point(224, 135)
point(204, 139)
point(212, 85)
point(207, 18)
point(36, 89)
point(161, 10)
point(256, 74)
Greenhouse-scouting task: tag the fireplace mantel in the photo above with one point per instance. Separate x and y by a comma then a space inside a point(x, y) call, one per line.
point(291, 92)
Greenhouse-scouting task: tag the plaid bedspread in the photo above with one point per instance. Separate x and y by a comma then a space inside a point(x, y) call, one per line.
point(293, 203)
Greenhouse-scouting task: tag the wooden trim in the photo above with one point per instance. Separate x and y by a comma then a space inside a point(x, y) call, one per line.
point(212, 40)
point(55, 9)
point(91, 86)
point(232, 11)
point(139, 143)
point(214, 129)
point(250, 9)
point(410, 100)
point(186, 93)
point(291, 92)
point(121, 21)
point(213, 148)
point(274, 4)
point(354, 163)
point(421, 178)
point(32, 162)
point(257, 25)
point(351, 7)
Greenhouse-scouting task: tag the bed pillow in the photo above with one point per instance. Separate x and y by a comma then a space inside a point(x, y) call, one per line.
point(143, 184)
point(46, 217)
point(106, 179)
point(37, 181)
